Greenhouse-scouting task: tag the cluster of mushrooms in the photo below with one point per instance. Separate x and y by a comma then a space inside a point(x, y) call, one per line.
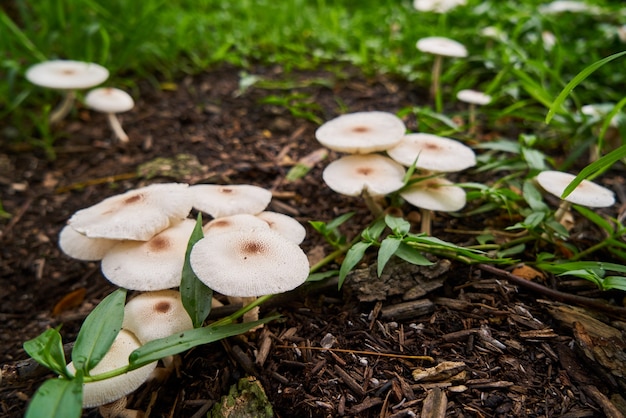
point(379, 150)
point(141, 238)
point(70, 76)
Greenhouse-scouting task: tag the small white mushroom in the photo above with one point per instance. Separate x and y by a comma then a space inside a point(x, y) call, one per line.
point(109, 390)
point(68, 76)
point(437, 6)
point(110, 101)
point(440, 47)
point(284, 225)
point(433, 153)
point(154, 315)
point(434, 194)
point(155, 264)
point(473, 98)
point(361, 132)
point(138, 214)
point(244, 264)
point(587, 193)
point(80, 247)
point(225, 200)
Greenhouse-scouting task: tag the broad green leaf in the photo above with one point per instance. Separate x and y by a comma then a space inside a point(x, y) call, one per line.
point(534, 158)
point(595, 168)
point(353, 256)
point(58, 398)
point(387, 248)
point(339, 220)
point(373, 232)
point(533, 197)
point(580, 77)
point(175, 344)
point(558, 268)
point(195, 295)
point(316, 277)
point(98, 331)
point(614, 282)
point(398, 225)
point(47, 350)
point(411, 255)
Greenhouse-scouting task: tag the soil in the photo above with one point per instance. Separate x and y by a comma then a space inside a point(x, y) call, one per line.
point(506, 349)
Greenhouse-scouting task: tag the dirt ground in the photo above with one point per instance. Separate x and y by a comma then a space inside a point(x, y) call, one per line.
point(508, 350)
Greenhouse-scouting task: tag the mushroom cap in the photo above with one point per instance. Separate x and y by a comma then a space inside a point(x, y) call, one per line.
point(247, 265)
point(561, 6)
point(437, 6)
point(473, 97)
point(218, 200)
point(438, 45)
point(586, 193)
point(77, 245)
point(351, 175)
point(138, 214)
point(361, 132)
point(154, 315)
point(436, 194)
point(238, 222)
point(433, 153)
point(284, 225)
point(155, 264)
point(109, 100)
point(601, 110)
point(105, 391)
point(66, 74)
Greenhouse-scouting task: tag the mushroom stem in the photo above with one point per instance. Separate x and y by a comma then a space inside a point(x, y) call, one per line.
point(116, 126)
point(435, 91)
point(472, 119)
point(427, 216)
point(117, 409)
point(372, 204)
point(564, 207)
point(64, 107)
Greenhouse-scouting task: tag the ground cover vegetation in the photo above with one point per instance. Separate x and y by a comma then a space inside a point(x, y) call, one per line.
point(553, 75)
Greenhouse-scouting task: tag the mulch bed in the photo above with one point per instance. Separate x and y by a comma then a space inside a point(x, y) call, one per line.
point(501, 349)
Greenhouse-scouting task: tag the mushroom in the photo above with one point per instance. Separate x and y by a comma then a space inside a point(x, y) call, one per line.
point(238, 222)
point(135, 215)
point(370, 175)
point(219, 201)
point(434, 194)
point(105, 391)
point(437, 6)
point(249, 265)
point(155, 264)
point(474, 98)
point(284, 225)
point(587, 193)
point(433, 153)
point(110, 100)
point(561, 6)
point(80, 247)
point(153, 315)
point(361, 132)
point(440, 47)
point(68, 76)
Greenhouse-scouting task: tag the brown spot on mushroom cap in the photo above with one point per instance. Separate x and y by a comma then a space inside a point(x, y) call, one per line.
point(162, 307)
point(226, 190)
point(360, 129)
point(365, 171)
point(133, 199)
point(252, 248)
point(159, 243)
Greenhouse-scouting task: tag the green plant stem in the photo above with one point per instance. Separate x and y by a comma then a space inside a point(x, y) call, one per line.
point(590, 250)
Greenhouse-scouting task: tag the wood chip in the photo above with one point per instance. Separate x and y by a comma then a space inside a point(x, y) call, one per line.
point(349, 381)
point(435, 404)
point(442, 371)
point(407, 310)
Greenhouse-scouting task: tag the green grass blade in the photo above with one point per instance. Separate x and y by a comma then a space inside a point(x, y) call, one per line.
point(595, 169)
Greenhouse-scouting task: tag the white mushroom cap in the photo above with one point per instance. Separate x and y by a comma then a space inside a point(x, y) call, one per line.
point(154, 315)
point(433, 153)
point(219, 201)
point(239, 222)
point(352, 175)
point(246, 265)
point(149, 265)
point(561, 6)
point(80, 247)
point(284, 225)
point(438, 6)
point(105, 391)
point(587, 193)
point(601, 110)
point(438, 45)
point(135, 215)
point(361, 132)
point(473, 97)
point(66, 74)
point(436, 194)
point(109, 100)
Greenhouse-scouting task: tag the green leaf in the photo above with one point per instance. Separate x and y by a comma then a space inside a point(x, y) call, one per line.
point(353, 256)
point(595, 168)
point(558, 268)
point(195, 295)
point(317, 277)
point(373, 232)
point(47, 350)
point(387, 248)
point(399, 226)
point(614, 282)
point(175, 344)
point(411, 255)
point(58, 398)
point(533, 197)
point(339, 220)
point(580, 77)
point(98, 331)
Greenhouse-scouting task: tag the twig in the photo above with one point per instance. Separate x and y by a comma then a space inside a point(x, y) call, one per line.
point(93, 182)
point(368, 353)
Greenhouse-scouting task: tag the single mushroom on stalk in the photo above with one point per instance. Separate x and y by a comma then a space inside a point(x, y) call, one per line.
point(587, 193)
point(367, 175)
point(434, 194)
point(68, 76)
point(474, 98)
point(440, 47)
point(110, 101)
point(361, 132)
